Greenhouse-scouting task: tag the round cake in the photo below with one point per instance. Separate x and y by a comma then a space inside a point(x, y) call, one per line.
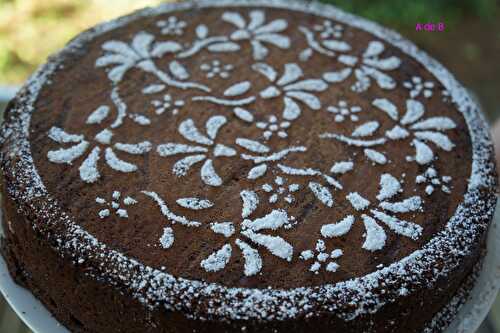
point(260, 166)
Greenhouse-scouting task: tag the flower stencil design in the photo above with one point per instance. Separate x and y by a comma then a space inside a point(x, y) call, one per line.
point(417, 86)
point(258, 32)
point(251, 231)
point(89, 172)
point(329, 42)
point(167, 103)
point(115, 204)
point(261, 155)
point(432, 180)
point(328, 29)
point(280, 169)
point(321, 256)
point(200, 152)
point(375, 236)
point(320, 191)
point(293, 89)
point(168, 237)
point(279, 189)
point(343, 111)
point(140, 53)
point(422, 130)
point(367, 68)
point(124, 57)
point(271, 126)
point(216, 68)
point(410, 125)
point(172, 26)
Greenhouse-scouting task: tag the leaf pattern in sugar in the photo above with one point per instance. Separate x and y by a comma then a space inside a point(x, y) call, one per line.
point(98, 115)
point(389, 187)
point(58, 135)
point(374, 213)
point(322, 193)
point(404, 228)
point(357, 201)
point(253, 146)
point(408, 205)
point(167, 238)
point(67, 155)
point(89, 171)
point(153, 89)
point(292, 89)
point(238, 89)
point(386, 106)
point(273, 221)
point(243, 114)
point(375, 156)
point(439, 139)
point(339, 229)
point(258, 32)
point(224, 228)
point(194, 203)
point(217, 260)
point(275, 244)
point(253, 261)
point(375, 235)
point(250, 202)
point(116, 163)
point(342, 167)
point(257, 171)
point(166, 212)
point(208, 174)
point(178, 70)
point(190, 132)
point(366, 129)
point(252, 231)
point(370, 67)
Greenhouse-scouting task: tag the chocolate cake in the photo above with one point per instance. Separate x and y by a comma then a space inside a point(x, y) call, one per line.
point(260, 166)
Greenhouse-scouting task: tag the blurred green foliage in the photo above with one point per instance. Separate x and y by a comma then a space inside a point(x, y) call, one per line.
point(30, 30)
point(399, 13)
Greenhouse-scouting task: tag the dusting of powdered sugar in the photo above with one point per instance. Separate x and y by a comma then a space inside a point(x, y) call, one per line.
point(389, 186)
point(375, 156)
point(250, 202)
point(342, 167)
point(59, 135)
point(224, 228)
point(217, 260)
point(321, 193)
point(357, 201)
point(167, 238)
point(98, 115)
point(194, 203)
point(153, 286)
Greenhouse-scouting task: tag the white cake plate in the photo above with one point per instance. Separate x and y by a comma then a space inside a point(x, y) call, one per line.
point(471, 315)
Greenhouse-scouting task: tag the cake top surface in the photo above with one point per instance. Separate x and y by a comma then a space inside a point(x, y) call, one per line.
point(261, 152)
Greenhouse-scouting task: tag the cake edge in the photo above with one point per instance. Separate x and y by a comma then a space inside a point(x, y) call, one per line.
point(73, 302)
point(26, 187)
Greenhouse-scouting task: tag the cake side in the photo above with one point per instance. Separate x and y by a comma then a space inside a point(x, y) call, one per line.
point(82, 303)
point(437, 262)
